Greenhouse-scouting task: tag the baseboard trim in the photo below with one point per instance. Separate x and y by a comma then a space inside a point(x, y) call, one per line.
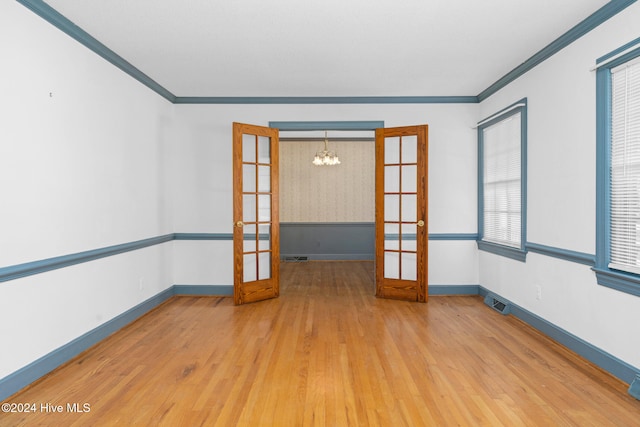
point(604, 360)
point(37, 369)
point(331, 257)
point(203, 290)
point(634, 387)
point(435, 290)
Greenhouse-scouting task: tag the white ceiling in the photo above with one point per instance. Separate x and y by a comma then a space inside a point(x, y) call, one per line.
point(326, 47)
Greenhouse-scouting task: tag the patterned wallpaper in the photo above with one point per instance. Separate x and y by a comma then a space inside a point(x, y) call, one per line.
point(341, 193)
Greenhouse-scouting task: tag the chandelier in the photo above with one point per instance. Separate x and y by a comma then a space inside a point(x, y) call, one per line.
point(326, 157)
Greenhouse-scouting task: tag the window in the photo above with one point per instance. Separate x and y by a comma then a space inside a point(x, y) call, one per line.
point(501, 182)
point(618, 173)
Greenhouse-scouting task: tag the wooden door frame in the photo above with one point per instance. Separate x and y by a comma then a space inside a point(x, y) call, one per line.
point(259, 289)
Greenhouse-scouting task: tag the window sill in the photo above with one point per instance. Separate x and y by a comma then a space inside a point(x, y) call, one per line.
point(618, 280)
point(505, 251)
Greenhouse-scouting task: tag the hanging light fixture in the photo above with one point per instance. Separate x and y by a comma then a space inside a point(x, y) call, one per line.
point(326, 157)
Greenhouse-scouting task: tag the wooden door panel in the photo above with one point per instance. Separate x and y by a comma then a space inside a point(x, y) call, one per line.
point(399, 289)
point(258, 291)
point(401, 213)
point(256, 241)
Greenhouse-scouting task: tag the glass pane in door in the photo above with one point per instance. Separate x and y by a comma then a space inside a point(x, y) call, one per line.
point(264, 149)
point(392, 150)
point(409, 205)
point(409, 151)
point(264, 208)
point(249, 208)
point(409, 266)
point(264, 237)
point(249, 238)
point(391, 265)
point(264, 265)
point(409, 178)
point(248, 178)
point(264, 178)
point(248, 148)
point(392, 179)
point(249, 268)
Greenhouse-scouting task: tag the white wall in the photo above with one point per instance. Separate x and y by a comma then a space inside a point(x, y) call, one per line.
point(202, 190)
point(82, 166)
point(561, 196)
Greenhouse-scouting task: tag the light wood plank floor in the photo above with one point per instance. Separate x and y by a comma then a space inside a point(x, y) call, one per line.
point(328, 353)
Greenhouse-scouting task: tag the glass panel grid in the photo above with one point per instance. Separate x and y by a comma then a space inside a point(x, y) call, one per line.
point(400, 208)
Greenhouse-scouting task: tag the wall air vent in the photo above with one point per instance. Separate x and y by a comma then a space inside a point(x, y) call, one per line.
point(501, 307)
point(296, 259)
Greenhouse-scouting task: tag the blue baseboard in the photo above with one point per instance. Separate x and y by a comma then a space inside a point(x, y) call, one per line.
point(606, 361)
point(634, 388)
point(330, 257)
point(203, 290)
point(453, 289)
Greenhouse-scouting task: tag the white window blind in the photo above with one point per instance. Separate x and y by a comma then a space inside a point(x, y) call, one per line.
point(625, 167)
point(502, 143)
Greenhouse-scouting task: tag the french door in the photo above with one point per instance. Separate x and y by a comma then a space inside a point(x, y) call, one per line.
point(256, 241)
point(401, 213)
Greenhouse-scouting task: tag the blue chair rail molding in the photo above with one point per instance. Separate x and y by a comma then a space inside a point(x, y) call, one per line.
point(41, 266)
point(363, 232)
point(565, 254)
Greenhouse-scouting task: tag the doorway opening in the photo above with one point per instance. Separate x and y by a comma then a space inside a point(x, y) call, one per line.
point(327, 213)
point(398, 183)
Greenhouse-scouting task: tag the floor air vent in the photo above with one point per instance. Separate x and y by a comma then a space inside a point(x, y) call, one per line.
point(499, 306)
point(296, 259)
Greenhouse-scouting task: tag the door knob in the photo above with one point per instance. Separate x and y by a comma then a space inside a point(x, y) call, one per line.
point(239, 224)
point(421, 223)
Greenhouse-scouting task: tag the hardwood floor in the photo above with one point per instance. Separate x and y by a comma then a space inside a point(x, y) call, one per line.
point(328, 353)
